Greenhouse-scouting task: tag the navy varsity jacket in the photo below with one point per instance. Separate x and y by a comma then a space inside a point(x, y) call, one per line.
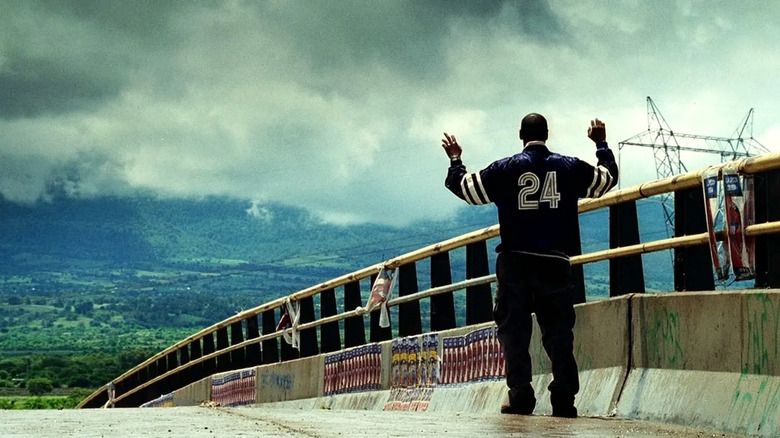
point(536, 192)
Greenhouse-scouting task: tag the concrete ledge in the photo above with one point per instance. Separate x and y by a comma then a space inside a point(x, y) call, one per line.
point(193, 394)
point(730, 402)
point(596, 398)
point(365, 401)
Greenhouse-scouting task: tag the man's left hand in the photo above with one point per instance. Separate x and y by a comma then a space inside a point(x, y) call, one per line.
point(451, 146)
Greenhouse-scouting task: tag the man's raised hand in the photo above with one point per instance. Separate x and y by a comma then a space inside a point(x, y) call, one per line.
point(597, 131)
point(451, 146)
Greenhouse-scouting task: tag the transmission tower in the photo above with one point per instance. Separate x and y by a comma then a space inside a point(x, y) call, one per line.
point(667, 145)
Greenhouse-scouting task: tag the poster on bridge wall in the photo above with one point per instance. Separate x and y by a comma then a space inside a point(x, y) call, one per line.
point(414, 372)
point(714, 215)
point(236, 388)
point(355, 370)
point(739, 215)
point(474, 357)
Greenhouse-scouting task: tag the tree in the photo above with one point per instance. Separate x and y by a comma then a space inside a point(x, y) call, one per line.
point(84, 307)
point(130, 358)
point(39, 386)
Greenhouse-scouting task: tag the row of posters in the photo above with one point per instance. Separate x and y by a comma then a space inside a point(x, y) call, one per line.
point(414, 371)
point(355, 370)
point(235, 389)
point(474, 357)
point(418, 365)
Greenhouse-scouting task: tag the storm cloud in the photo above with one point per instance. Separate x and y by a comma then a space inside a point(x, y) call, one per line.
point(339, 106)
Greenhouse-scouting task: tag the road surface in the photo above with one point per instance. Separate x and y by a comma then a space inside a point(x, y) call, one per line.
point(194, 422)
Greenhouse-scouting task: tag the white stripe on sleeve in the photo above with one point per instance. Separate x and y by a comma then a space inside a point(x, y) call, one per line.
point(481, 188)
point(602, 181)
point(465, 190)
point(607, 177)
point(474, 187)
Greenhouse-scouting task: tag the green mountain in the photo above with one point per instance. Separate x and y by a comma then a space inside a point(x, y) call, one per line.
point(101, 274)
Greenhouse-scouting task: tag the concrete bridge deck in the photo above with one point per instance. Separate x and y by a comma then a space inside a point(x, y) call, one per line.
point(195, 422)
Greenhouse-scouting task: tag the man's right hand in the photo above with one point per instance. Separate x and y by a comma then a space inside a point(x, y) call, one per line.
point(597, 131)
point(451, 146)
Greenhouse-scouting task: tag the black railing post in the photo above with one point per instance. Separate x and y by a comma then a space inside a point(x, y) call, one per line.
point(173, 381)
point(625, 273)
point(354, 326)
point(270, 346)
point(161, 366)
point(479, 299)
point(143, 377)
point(223, 342)
point(150, 392)
point(308, 337)
point(253, 354)
point(442, 305)
point(377, 333)
point(330, 337)
point(209, 365)
point(237, 357)
point(767, 197)
point(184, 358)
point(693, 269)
point(196, 353)
point(134, 399)
point(409, 321)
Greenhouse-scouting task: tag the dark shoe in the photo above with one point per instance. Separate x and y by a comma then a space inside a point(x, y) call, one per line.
point(509, 409)
point(521, 401)
point(565, 412)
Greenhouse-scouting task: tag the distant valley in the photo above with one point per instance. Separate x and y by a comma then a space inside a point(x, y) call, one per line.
point(101, 274)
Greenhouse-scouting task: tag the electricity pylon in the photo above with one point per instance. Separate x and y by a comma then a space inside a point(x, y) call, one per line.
point(668, 144)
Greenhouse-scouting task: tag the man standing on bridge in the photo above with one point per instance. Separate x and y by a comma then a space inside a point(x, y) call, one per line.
point(536, 192)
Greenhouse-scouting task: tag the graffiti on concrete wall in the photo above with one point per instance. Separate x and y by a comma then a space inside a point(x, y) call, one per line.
point(277, 381)
point(763, 334)
point(663, 339)
point(755, 404)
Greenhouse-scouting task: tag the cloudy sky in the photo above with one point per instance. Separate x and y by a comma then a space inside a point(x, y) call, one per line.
point(338, 106)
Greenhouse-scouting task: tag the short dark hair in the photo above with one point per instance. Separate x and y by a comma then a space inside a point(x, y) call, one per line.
point(533, 127)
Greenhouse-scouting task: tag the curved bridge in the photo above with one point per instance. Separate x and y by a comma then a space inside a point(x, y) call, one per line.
point(650, 357)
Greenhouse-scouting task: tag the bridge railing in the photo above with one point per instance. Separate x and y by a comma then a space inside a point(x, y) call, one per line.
point(250, 338)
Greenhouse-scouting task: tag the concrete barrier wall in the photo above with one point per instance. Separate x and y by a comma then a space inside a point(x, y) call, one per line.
point(193, 394)
point(688, 331)
point(601, 349)
point(705, 360)
point(761, 333)
point(292, 380)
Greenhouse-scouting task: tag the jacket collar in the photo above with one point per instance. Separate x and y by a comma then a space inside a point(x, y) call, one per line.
point(535, 145)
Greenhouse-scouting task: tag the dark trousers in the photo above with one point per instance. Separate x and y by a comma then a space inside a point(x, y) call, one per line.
point(542, 285)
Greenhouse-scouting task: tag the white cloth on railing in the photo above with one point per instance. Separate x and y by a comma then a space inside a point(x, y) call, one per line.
point(291, 334)
point(381, 292)
point(111, 392)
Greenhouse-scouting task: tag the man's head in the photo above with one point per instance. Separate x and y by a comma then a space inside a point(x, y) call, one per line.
point(533, 127)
